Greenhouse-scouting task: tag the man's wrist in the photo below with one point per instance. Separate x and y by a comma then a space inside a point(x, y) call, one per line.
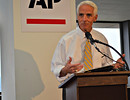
point(63, 72)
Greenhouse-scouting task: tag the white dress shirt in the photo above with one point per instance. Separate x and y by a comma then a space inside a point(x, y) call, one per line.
point(72, 45)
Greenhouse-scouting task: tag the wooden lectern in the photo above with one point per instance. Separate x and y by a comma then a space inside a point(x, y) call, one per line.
point(97, 86)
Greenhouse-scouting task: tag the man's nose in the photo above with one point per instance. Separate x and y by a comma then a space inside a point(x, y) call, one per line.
point(85, 18)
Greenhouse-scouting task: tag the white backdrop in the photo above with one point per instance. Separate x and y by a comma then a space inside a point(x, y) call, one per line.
point(60, 10)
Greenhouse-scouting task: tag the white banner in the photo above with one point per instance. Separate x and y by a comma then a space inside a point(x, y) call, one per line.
point(46, 15)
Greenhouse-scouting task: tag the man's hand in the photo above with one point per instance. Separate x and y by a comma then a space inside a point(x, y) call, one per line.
point(120, 64)
point(70, 68)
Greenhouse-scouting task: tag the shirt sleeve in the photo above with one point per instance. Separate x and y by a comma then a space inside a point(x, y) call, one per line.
point(107, 61)
point(59, 61)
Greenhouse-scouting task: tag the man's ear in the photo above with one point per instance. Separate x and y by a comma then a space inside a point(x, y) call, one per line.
point(95, 18)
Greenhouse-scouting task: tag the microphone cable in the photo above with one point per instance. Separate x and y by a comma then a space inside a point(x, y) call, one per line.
point(92, 41)
point(97, 41)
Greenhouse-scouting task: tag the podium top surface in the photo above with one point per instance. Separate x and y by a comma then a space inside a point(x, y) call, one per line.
point(90, 74)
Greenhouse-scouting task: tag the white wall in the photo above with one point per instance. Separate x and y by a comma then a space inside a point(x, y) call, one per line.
point(7, 41)
point(33, 54)
point(27, 56)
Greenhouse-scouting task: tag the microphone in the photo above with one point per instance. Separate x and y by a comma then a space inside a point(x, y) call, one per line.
point(89, 36)
point(92, 41)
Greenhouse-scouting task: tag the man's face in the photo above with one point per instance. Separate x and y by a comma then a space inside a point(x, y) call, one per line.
point(86, 17)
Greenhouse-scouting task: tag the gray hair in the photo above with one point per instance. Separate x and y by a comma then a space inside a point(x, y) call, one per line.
point(92, 4)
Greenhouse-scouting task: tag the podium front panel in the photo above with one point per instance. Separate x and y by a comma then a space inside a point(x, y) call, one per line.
point(113, 92)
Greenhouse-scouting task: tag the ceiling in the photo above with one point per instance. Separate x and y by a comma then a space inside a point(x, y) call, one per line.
point(111, 10)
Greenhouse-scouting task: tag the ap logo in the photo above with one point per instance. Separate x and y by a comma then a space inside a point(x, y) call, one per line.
point(43, 4)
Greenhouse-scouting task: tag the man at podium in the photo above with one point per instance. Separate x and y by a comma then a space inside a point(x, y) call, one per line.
point(74, 53)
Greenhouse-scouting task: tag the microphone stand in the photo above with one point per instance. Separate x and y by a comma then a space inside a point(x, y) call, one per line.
point(97, 41)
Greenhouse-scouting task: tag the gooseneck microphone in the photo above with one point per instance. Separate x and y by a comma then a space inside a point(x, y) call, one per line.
point(89, 36)
point(92, 41)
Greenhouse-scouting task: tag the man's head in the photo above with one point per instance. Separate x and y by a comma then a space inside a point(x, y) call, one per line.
point(86, 14)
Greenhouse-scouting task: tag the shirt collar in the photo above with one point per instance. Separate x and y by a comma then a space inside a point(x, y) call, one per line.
point(81, 33)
